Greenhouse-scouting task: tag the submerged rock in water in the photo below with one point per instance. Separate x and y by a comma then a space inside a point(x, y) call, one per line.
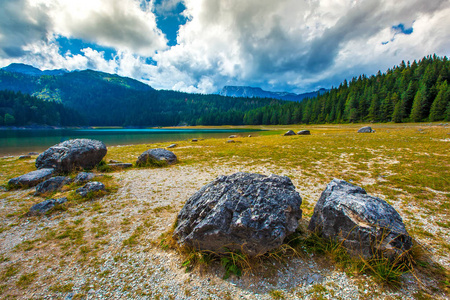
point(246, 212)
point(71, 155)
point(364, 224)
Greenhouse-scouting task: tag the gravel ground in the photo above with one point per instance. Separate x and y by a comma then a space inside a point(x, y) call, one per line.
point(114, 265)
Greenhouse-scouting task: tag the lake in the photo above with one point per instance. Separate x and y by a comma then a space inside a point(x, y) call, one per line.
point(22, 141)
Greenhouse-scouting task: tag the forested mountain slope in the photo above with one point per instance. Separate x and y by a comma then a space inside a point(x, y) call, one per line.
point(410, 92)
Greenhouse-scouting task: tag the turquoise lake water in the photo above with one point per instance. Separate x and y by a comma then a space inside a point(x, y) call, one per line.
point(17, 141)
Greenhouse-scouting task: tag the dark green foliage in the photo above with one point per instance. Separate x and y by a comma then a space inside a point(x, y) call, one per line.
point(409, 92)
point(17, 109)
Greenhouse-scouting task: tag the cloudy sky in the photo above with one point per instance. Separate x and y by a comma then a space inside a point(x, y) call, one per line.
point(202, 45)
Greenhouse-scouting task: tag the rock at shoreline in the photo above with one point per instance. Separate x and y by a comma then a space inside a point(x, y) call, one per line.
point(156, 155)
point(32, 178)
point(93, 186)
point(366, 129)
point(24, 156)
point(45, 206)
point(290, 132)
point(83, 177)
point(363, 223)
point(304, 132)
point(52, 184)
point(246, 212)
point(72, 154)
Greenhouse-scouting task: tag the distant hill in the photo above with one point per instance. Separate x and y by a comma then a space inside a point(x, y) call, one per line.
point(256, 92)
point(110, 100)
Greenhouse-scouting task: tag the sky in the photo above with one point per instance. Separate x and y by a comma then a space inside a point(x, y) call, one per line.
point(202, 45)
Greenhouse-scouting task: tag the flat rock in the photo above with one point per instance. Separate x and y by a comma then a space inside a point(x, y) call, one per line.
point(290, 132)
point(158, 154)
point(172, 146)
point(366, 129)
point(247, 212)
point(33, 153)
point(231, 141)
point(120, 165)
point(24, 156)
point(194, 140)
point(45, 206)
point(233, 136)
point(93, 186)
point(304, 132)
point(71, 155)
point(363, 223)
point(83, 177)
point(52, 184)
point(32, 178)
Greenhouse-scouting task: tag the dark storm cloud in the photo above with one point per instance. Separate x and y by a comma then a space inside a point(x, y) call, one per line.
point(20, 25)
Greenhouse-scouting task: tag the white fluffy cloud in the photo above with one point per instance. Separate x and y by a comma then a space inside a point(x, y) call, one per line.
point(295, 45)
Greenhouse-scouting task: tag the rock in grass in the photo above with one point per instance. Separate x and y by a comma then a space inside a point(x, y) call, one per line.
point(33, 153)
point(364, 224)
point(83, 177)
point(290, 132)
point(172, 146)
point(246, 212)
point(116, 166)
point(32, 178)
point(93, 186)
point(45, 206)
point(24, 156)
point(71, 155)
point(233, 136)
point(156, 156)
point(304, 132)
point(366, 129)
point(52, 184)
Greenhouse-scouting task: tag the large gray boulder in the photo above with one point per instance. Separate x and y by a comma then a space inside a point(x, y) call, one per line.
point(158, 154)
point(71, 155)
point(90, 187)
point(364, 224)
point(366, 129)
point(32, 178)
point(247, 212)
point(52, 184)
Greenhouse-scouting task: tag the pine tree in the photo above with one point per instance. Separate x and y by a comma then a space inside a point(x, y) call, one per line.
point(416, 111)
point(439, 106)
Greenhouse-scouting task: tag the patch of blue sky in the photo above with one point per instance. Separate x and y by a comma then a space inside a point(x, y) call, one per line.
point(400, 28)
point(170, 21)
point(76, 45)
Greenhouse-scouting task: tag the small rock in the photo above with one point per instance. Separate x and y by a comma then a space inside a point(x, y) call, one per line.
point(249, 135)
point(112, 161)
point(232, 136)
point(195, 140)
point(120, 165)
point(24, 156)
point(32, 178)
point(172, 146)
point(52, 184)
point(93, 186)
point(83, 177)
point(33, 153)
point(69, 296)
point(45, 206)
point(304, 132)
point(366, 129)
point(158, 154)
point(290, 132)
point(231, 141)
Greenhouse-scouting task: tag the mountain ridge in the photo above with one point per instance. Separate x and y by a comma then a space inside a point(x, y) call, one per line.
point(256, 92)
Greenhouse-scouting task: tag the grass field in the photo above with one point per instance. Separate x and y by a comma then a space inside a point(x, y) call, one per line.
point(408, 165)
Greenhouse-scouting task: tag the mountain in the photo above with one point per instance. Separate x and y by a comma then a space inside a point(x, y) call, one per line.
point(110, 100)
point(32, 71)
point(256, 92)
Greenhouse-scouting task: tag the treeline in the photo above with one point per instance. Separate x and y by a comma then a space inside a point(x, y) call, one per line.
point(17, 109)
point(411, 92)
